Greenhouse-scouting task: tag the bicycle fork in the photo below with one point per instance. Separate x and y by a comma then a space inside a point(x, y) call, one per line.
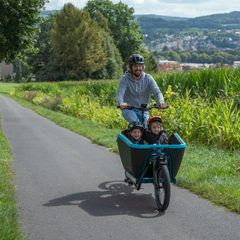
point(158, 160)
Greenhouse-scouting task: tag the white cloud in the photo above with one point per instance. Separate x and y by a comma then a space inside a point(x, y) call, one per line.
point(178, 8)
point(58, 4)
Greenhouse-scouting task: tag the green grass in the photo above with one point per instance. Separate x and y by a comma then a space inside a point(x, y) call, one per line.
point(213, 174)
point(6, 88)
point(9, 83)
point(9, 225)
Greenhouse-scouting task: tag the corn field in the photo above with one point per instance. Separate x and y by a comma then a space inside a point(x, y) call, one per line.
point(204, 105)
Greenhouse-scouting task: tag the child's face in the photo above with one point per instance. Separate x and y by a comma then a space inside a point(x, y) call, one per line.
point(156, 127)
point(136, 133)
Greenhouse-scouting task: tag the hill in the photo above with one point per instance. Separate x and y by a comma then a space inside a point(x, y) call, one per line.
point(46, 12)
point(215, 21)
point(159, 16)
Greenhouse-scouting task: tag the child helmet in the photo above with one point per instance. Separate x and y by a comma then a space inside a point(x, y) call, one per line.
point(136, 59)
point(154, 119)
point(135, 125)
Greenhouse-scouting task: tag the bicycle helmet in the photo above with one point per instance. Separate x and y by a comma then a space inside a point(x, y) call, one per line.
point(135, 125)
point(154, 119)
point(136, 59)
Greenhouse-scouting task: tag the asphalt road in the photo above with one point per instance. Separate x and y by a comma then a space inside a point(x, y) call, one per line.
point(69, 188)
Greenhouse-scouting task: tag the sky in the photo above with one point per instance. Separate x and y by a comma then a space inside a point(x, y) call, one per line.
point(173, 8)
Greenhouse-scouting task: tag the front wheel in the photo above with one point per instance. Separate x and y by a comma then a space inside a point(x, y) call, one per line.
point(162, 187)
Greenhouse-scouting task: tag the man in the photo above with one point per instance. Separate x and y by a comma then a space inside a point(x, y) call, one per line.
point(134, 89)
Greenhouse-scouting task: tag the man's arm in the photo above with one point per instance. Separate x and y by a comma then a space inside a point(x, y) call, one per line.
point(156, 91)
point(120, 93)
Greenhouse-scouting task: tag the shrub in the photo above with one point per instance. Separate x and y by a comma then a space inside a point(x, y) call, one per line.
point(7, 78)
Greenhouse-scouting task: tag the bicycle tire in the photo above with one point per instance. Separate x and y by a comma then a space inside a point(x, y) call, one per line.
point(163, 188)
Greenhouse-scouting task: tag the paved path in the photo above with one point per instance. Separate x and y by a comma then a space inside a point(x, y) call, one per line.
point(69, 188)
point(9, 85)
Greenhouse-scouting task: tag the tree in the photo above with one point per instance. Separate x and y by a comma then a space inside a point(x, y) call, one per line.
point(184, 57)
point(194, 57)
point(218, 57)
point(152, 65)
point(201, 49)
point(18, 77)
point(18, 21)
point(203, 58)
point(0, 71)
point(156, 53)
point(230, 58)
point(165, 48)
point(43, 63)
point(174, 56)
point(113, 67)
point(77, 42)
point(205, 32)
point(124, 30)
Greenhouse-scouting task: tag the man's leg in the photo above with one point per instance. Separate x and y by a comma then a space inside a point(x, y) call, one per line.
point(146, 117)
point(130, 115)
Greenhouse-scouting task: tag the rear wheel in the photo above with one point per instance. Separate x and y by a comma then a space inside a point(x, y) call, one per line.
point(163, 188)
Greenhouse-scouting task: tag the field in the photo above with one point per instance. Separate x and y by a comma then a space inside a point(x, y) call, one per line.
point(204, 105)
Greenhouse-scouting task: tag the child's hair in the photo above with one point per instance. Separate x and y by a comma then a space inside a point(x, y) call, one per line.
point(154, 119)
point(135, 125)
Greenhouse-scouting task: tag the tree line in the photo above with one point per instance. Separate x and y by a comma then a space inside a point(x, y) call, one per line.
point(202, 56)
point(214, 21)
point(93, 42)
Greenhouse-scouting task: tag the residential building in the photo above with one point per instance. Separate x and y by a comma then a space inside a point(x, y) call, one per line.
point(6, 69)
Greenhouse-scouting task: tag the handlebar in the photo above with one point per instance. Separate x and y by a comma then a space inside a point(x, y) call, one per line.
point(144, 108)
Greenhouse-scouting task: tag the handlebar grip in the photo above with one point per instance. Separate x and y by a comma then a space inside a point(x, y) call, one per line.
point(118, 106)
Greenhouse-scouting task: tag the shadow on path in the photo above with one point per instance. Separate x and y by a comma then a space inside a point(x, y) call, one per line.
point(117, 198)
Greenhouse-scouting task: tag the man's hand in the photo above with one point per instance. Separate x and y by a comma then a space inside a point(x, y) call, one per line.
point(162, 105)
point(123, 105)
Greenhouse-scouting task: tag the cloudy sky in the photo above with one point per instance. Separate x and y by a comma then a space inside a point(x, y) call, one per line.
point(176, 8)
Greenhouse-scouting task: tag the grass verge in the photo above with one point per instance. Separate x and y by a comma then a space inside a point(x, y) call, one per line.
point(9, 226)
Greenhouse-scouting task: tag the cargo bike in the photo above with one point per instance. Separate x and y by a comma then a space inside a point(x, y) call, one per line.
point(157, 164)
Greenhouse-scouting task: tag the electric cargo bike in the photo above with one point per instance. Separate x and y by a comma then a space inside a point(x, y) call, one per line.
point(157, 164)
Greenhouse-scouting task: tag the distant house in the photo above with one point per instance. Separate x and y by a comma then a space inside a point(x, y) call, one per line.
point(192, 48)
point(168, 66)
point(236, 63)
point(6, 69)
point(187, 67)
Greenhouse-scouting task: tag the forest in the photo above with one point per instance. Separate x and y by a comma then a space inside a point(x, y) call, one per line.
point(215, 21)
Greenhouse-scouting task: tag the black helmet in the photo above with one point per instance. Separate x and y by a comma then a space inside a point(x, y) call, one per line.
point(136, 59)
point(135, 125)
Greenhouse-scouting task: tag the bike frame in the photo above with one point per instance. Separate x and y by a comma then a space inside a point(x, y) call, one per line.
point(157, 157)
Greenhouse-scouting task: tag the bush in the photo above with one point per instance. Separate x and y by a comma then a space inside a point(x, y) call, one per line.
point(7, 78)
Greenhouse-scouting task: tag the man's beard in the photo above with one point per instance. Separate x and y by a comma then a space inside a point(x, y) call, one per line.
point(137, 75)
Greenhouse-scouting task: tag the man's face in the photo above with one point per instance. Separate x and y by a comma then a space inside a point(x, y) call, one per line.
point(137, 69)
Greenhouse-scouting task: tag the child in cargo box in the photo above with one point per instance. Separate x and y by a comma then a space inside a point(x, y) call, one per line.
point(134, 132)
point(155, 133)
